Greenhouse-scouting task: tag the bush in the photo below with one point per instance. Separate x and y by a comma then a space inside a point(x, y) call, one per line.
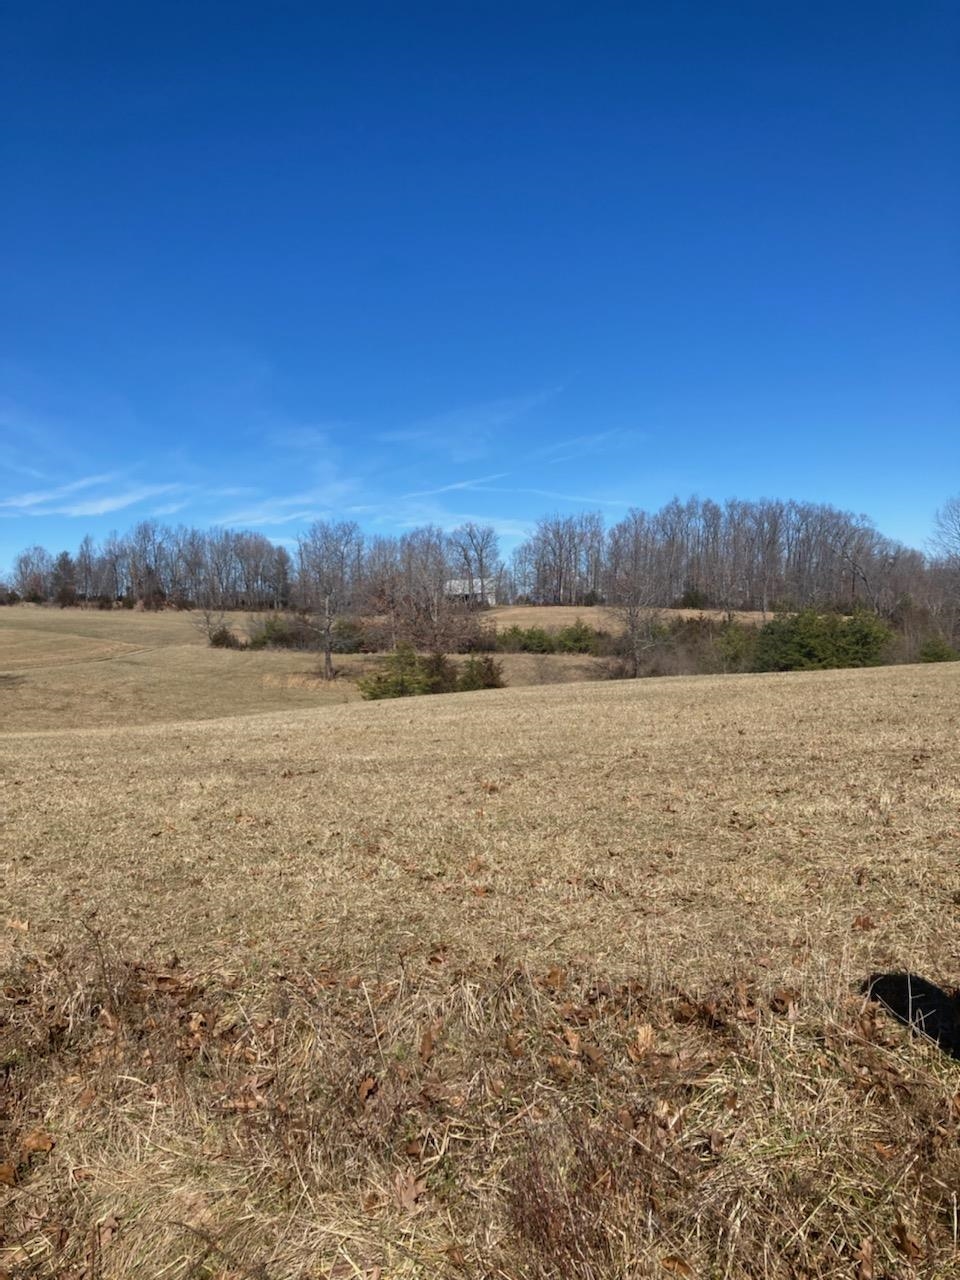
point(223, 638)
point(482, 672)
point(407, 675)
point(936, 648)
point(811, 641)
point(281, 631)
point(347, 636)
point(402, 677)
point(692, 598)
point(439, 674)
point(577, 638)
point(532, 640)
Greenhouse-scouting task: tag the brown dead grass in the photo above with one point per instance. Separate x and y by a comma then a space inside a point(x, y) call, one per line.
point(83, 668)
point(525, 983)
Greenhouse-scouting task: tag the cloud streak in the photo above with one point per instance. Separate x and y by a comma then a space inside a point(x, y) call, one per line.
point(591, 443)
point(558, 497)
point(468, 431)
point(459, 484)
point(25, 501)
point(109, 502)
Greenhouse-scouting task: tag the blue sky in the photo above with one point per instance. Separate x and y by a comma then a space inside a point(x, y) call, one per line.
point(267, 263)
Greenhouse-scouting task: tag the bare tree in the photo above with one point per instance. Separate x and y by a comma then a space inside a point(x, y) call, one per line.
point(475, 555)
point(946, 530)
point(427, 611)
point(631, 588)
point(33, 573)
point(330, 556)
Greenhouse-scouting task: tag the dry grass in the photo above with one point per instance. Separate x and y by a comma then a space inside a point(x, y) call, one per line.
point(80, 668)
point(527, 983)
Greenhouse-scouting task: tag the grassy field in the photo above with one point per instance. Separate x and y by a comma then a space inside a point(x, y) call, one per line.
point(536, 982)
point(73, 668)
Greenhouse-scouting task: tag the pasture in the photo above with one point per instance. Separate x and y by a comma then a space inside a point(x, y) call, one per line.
point(534, 982)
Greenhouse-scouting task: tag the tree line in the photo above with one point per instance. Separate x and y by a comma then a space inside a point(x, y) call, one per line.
point(766, 555)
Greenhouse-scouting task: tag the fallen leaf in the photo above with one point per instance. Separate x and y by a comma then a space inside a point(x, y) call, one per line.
point(367, 1088)
point(573, 1040)
point(427, 1042)
point(906, 1241)
point(643, 1040)
point(107, 1229)
point(594, 1057)
point(555, 978)
point(21, 926)
point(409, 1188)
point(36, 1142)
point(563, 1067)
point(678, 1266)
point(863, 922)
point(785, 1001)
point(514, 1044)
point(625, 1118)
point(864, 1257)
point(8, 1174)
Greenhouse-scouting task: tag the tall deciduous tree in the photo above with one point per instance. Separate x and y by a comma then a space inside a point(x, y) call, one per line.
point(330, 558)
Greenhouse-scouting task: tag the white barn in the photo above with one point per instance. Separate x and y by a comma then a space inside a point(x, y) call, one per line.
point(471, 591)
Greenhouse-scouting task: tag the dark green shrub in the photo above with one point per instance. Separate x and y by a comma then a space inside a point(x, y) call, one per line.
point(861, 641)
point(480, 672)
point(692, 598)
point(406, 675)
point(936, 648)
point(439, 674)
point(577, 638)
point(811, 641)
point(510, 639)
point(402, 677)
point(736, 646)
point(530, 640)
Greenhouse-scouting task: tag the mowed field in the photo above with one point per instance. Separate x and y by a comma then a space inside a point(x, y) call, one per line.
point(547, 981)
point(64, 668)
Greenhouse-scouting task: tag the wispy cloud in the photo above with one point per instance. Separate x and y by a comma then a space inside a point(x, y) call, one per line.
point(313, 504)
point(593, 442)
point(267, 513)
point(466, 432)
point(459, 484)
point(19, 469)
point(41, 497)
point(559, 497)
point(109, 502)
